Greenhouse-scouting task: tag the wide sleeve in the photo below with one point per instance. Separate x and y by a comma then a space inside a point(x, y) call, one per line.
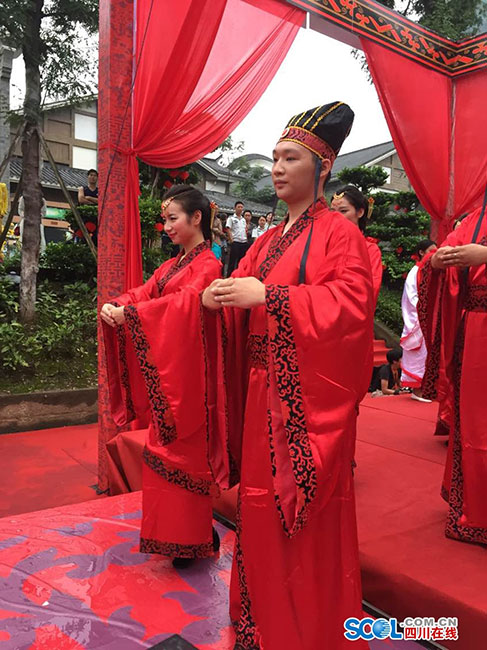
point(165, 336)
point(320, 364)
point(439, 312)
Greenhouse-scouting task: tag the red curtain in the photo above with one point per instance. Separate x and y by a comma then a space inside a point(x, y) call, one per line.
point(200, 67)
point(439, 128)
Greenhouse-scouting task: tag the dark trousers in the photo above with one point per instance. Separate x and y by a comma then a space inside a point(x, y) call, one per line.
point(237, 251)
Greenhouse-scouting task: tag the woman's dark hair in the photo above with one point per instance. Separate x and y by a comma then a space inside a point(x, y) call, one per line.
point(424, 244)
point(359, 202)
point(191, 199)
point(394, 355)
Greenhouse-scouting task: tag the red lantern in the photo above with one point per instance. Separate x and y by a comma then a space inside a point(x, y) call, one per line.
point(159, 227)
point(173, 173)
point(184, 176)
point(168, 184)
point(78, 233)
point(397, 207)
point(415, 257)
point(384, 266)
point(90, 226)
point(399, 250)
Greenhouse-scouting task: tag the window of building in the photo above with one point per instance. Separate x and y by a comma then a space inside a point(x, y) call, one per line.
point(388, 171)
point(84, 158)
point(85, 127)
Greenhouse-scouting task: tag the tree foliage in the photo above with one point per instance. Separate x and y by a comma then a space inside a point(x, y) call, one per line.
point(398, 222)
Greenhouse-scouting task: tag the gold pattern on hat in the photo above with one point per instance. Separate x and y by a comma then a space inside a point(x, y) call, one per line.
point(330, 110)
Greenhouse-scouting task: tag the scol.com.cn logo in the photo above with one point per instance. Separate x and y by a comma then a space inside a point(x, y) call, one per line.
point(419, 629)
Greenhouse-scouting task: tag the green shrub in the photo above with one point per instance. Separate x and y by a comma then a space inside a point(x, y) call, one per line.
point(388, 309)
point(65, 329)
point(68, 262)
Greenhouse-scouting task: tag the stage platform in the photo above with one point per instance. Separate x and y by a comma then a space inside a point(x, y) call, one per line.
point(71, 578)
point(409, 568)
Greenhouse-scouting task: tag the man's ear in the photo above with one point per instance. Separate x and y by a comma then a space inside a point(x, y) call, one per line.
point(325, 168)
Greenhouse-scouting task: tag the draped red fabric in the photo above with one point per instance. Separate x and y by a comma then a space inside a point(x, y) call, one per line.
point(199, 72)
point(439, 128)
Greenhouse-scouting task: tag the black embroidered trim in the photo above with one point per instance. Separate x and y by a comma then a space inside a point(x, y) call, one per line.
point(279, 245)
point(247, 634)
point(161, 412)
point(257, 349)
point(124, 374)
point(455, 530)
point(172, 549)
point(233, 465)
point(432, 367)
point(181, 264)
point(476, 298)
point(177, 476)
point(285, 359)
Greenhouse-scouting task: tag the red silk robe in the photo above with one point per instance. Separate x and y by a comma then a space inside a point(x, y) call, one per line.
point(296, 369)
point(453, 311)
point(375, 257)
point(157, 360)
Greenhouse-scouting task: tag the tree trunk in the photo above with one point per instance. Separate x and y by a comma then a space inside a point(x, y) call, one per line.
point(32, 192)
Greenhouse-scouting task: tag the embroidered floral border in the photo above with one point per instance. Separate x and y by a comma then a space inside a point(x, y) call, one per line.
point(177, 476)
point(161, 411)
point(285, 360)
point(173, 549)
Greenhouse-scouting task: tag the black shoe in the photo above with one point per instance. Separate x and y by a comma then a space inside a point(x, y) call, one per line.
point(182, 562)
point(216, 541)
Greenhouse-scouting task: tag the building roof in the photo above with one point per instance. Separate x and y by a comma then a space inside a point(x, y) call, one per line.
point(226, 203)
point(72, 178)
point(362, 156)
point(222, 173)
point(254, 156)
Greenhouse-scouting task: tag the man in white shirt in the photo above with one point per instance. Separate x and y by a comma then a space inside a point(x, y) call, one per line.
point(236, 229)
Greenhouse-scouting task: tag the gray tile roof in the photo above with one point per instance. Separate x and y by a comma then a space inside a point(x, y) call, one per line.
point(362, 156)
point(72, 178)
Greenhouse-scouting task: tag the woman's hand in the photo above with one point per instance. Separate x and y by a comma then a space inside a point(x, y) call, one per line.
point(236, 292)
point(208, 297)
point(438, 260)
point(112, 315)
point(467, 255)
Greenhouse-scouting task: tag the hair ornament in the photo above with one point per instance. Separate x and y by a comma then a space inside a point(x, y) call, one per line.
point(213, 211)
point(165, 204)
point(337, 197)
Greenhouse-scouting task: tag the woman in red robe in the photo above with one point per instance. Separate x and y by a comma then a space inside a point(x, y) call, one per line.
point(350, 202)
point(153, 339)
point(453, 312)
point(297, 332)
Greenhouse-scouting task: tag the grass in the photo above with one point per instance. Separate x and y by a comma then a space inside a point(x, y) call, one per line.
point(56, 375)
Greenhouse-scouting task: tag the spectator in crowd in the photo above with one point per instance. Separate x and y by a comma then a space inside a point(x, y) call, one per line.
point(236, 229)
point(269, 217)
point(248, 221)
point(88, 194)
point(387, 381)
point(218, 237)
point(260, 230)
point(19, 230)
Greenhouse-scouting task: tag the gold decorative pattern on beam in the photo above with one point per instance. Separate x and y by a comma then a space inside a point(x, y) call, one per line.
point(372, 20)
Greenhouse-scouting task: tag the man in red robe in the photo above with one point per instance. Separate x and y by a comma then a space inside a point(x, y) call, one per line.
point(296, 331)
point(453, 312)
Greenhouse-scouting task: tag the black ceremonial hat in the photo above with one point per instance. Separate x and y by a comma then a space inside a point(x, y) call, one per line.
point(322, 130)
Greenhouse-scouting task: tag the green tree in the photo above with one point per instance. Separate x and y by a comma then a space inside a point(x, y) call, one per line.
point(52, 35)
point(398, 222)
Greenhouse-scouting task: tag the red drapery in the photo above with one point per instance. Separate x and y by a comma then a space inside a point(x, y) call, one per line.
point(439, 127)
point(201, 67)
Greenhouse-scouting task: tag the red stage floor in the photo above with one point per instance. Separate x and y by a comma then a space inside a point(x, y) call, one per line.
point(409, 567)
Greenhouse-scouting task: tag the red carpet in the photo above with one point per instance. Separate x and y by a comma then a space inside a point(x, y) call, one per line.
point(47, 468)
point(409, 568)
